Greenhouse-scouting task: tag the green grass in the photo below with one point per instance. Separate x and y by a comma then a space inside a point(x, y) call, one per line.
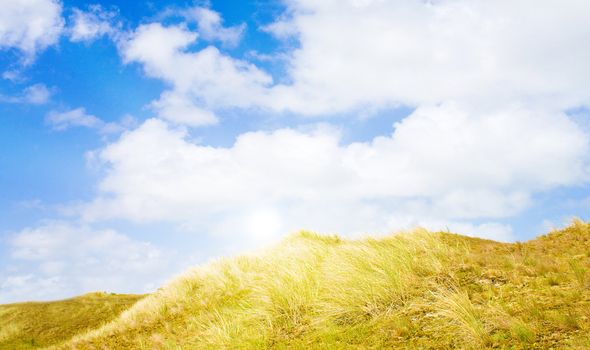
point(37, 325)
point(416, 290)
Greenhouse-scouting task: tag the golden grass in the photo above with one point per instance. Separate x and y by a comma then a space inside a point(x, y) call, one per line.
point(464, 319)
point(33, 325)
point(415, 290)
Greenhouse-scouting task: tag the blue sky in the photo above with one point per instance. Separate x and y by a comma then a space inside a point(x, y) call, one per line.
point(138, 139)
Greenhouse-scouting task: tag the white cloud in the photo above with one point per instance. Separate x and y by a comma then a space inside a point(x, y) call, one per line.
point(78, 117)
point(180, 109)
point(377, 53)
point(210, 26)
point(60, 259)
point(30, 26)
point(12, 75)
point(89, 25)
point(441, 164)
point(363, 56)
point(200, 80)
point(281, 28)
point(36, 94)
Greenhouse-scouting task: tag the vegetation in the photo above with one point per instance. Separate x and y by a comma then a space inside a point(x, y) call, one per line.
point(34, 325)
point(416, 290)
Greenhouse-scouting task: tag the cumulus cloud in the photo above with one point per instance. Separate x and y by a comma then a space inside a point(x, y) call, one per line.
point(200, 80)
point(356, 56)
point(89, 25)
point(30, 26)
point(78, 117)
point(179, 108)
point(57, 259)
point(357, 53)
point(282, 28)
point(441, 164)
point(210, 26)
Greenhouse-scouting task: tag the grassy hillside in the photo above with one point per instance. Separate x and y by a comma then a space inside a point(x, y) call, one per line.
point(414, 290)
point(33, 325)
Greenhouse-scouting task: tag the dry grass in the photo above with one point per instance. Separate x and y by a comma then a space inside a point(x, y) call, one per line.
point(463, 317)
point(32, 325)
point(411, 290)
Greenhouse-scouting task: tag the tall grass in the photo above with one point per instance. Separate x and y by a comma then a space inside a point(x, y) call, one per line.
point(464, 319)
point(32, 325)
point(368, 278)
point(579, 272)
point(413, 290)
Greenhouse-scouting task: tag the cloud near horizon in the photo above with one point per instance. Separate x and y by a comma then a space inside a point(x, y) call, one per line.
point(58, 258)
point(440, 164)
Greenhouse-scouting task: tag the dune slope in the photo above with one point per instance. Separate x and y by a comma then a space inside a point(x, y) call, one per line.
point(411, 290)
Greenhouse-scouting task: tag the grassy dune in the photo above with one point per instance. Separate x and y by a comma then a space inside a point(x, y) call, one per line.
point(416, 290)
point(34, 325)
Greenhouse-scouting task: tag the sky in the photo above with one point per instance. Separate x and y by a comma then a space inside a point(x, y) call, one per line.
point(138, 139)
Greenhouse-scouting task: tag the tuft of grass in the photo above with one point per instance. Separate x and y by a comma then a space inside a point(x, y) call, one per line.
point(552, 280)
point(522, 331)
point(369, 278)
point(569, 320)
point(455, 306)
point(579, 272)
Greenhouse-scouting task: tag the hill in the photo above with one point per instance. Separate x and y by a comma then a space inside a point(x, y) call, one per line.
point(417, 290)
point(33, 325)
